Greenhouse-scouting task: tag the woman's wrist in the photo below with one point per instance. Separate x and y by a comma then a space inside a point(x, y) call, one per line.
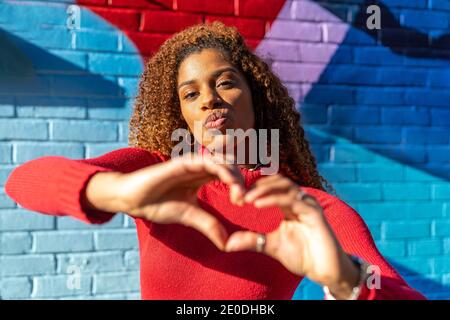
point(349, 277)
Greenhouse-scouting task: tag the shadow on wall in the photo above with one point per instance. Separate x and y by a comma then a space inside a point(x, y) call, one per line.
point(38, 77)
point(398, 77)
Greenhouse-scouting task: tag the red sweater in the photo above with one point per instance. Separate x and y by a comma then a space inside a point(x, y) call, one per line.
point(178, 262)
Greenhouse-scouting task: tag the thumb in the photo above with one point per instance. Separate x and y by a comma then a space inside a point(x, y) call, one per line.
point(247, 240)
point(205, 223)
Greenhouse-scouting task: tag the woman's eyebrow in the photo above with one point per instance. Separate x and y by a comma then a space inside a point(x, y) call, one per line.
point(214, 74)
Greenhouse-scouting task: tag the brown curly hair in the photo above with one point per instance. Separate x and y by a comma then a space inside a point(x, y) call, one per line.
point(157, 111)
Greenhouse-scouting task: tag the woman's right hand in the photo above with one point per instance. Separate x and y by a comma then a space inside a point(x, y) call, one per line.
point(167, 193)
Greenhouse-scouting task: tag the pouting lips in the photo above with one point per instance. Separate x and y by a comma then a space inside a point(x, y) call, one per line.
point(215, 119)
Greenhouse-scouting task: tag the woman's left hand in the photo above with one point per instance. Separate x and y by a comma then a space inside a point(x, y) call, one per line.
point(304, 242)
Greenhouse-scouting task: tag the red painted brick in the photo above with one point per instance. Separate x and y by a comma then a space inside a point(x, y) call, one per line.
point(224, 7)
point(165, 3)
point(147, 43)
point(166, 21)
point(252, 28)
point(260, 8)
point(125, 19)
point(135, 4)
point(92, 2)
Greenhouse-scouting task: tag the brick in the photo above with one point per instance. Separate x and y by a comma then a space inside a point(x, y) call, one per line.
point(123, 132)
point(439, 78)
point(424, 210)
point(124, 19)
point(6, 202)
point(279, 50)
point(89, 131)
point(97, 40)
point(378, 135)
point(427, 97)
point(403, 153)
point(15, 243)
point(129, 86)
point(427, 136)
point(295, 72)
point(415, 265)
point(249, 28)
point(410, 229)
point(310, 11)
point(5, 171)
point(407, 3)
point(379, 96)
point(337, 32)
point(62, 241)
point(26, 151)
point(112, 283)
point(351, 75)
point(59, 60)
point(132, 260)
point(90, 263)
point(24, 220)
point(109, 113)
point(136, 4)
point(298, 31)
point(351, 153)
point(111, 64)
point(377, 56)
point(380, 211)
point(57, 286)
point(312, 52)
point(260, 8)
point(223, 7)
point(424, 247)
point(401, 76)
point(147, 43)
point(379, 172)
point(168, 22)
point(441, 191)
point(406, 191)
point(6, 111)
point(5, 153)
point(338, 172)
point(441, 265)
point(330, 94)
point(23, 129)
point(95, 150)
point(392, 249)
point(441, 227)
point(69, 223)
point(51, 112)
point(27, 265)
point(120, 239)
point(438, 154)
point(313, 114)
point(405, 115)
point(320, 152)
point(440, 117)
point(83, 85)
point(358, 191)
point(432, 19)
point(15, 288)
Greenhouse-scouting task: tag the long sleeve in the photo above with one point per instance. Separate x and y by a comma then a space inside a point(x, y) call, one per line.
point(54, 185)
point(355, 238)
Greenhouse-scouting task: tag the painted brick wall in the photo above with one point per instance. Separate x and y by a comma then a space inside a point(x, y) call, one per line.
point(376, 106)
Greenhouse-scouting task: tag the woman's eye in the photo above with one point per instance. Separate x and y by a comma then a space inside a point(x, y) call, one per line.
point(190, 95)
point(226, 84)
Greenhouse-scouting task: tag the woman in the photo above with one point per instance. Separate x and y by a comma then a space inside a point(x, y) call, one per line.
point(211, 230)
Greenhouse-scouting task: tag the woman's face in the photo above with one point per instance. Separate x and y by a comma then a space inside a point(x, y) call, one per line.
point(213, 93)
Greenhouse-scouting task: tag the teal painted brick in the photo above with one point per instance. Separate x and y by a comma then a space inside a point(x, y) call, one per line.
point(5, 153)
point(417, 175)
point(119, 113)
point(353, 115)
point(132, 260)
point(6, 202)
point(5, 171)
point(338, 172)
point(83, 131)
point(407, 229)
point(441, 265)
point(51, 112)
point(97, 40)
point(74, 59)
point(62, 241)
point(15, 288)
point(89, 263)
point(441, 227)
point(123, 132)
point(27, 265)
point(54, 39)
point(57, 286)
point(392, 248)
point(414, 265)
point(119, 239)
point(375, 229)
point(24, 220)
point(426, 136)
point(446, 246)
point(6, 111)
point(129, 85)
point(350, 153)
point(378, 173)
point(441, 191)
point(378, 135)
point(424, 247)
point(69, 223)
point(15, 243)
point(23, 129)
point(112, 283)
point(25, 151)
point(95, 150)
point(383, 211)
point(424, 210)
point(113, 64)
point(406, 191)
point(358, 191)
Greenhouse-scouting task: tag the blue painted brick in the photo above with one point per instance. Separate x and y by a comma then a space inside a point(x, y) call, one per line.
point(415, 265)
point(59, 286)
point(432, 19)
point(378, 135)
point(409, 229)
point(116, 282)
point(6, 110)
point(427, 97)
point(119, 239)
point(15, 288)
point(424, 247)
point(392, 248)
point(405, 115)
point(315, 136)
point(338, 172)
point(442, 5)
point(124, 65)
point(62, 241)
point(439, 154)
point(59, 61)
point(26, 265)
point(354, 115)
point(446, 245)
point(326, 94)
point(312, 114)
point(15, 243)
point(97, 40)
point(26, 151)
point(83, 85)
point(439, 78)
point(441, 227)
point(51, 112)
point(129, 86)
point(92, 131)
point(440, 117)
point(23, 129)
point(407, 3)
point(378, 172)
point(358, 191)
point(5, 153)
point(418, 173)
point(96, 150)
point(5, 171)
point(404, 153)
point(425, 210)
point(427, 136)
point(6, 202)
point(351, 153)
point(375, 229)
point(132, 260)
point(376, 56)
point(347, 74)
point(123, 132)
point(69, 223)
point(383, 211)
point(320, 152)
point(24, 220)
point(52, 38)
point(441, 265)
point(441, 191)
point(366, 95)
point(401, 76)
point(89, 263)
point(406, 191)
point(109, 113)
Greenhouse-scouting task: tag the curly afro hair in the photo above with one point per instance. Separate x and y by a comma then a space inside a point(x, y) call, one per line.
point(157, 111)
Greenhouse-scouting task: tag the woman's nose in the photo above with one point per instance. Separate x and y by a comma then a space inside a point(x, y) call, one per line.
point(211, 100)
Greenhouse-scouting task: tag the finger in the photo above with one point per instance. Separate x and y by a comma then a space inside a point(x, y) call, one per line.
point(247, 240)
point(275, 185)
point(207, 224)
